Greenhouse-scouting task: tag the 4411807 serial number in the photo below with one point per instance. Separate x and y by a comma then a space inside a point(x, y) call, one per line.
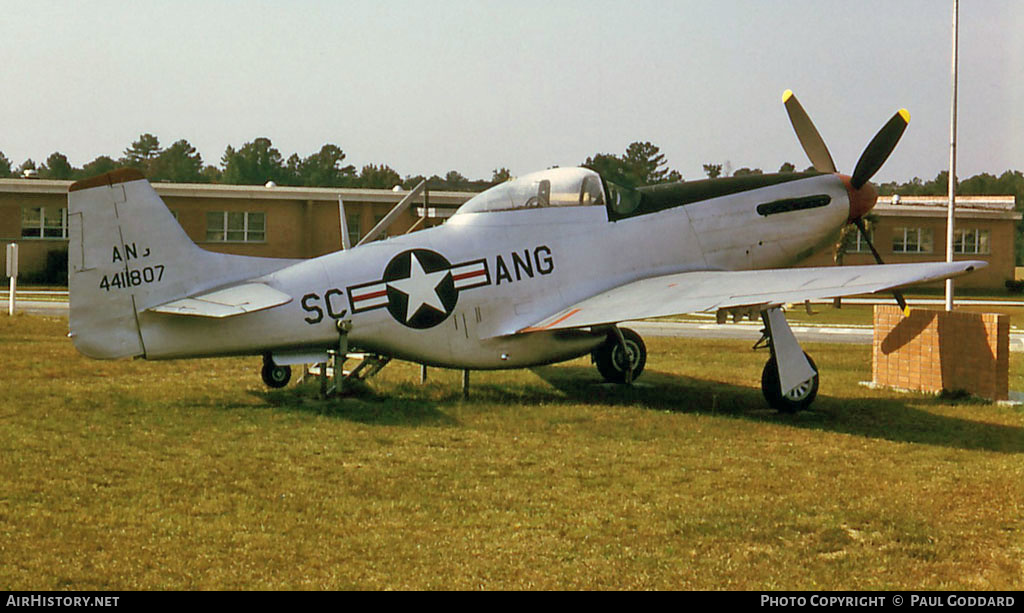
point(133, 277)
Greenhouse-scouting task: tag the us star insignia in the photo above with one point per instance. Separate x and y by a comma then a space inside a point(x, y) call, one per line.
point(419, 287)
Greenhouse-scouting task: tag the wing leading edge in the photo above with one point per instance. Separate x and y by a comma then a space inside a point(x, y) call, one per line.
point(690, 292)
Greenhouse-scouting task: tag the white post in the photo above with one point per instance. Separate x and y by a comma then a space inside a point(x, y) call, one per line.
point(12, 272)
point(952, 163)
point(346, 242)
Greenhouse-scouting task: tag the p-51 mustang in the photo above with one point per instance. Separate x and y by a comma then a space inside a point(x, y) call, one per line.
point(533, 271)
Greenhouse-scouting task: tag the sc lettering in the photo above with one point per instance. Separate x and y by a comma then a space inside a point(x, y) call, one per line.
point(311, 304)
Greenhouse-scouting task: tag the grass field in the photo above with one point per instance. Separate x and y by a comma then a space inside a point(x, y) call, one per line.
point(190, 475)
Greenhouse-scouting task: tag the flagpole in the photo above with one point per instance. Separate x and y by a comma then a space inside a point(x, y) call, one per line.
point(952, 162)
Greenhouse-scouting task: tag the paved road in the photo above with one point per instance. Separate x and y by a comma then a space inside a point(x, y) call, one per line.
point(39, 307)
point(752, 331)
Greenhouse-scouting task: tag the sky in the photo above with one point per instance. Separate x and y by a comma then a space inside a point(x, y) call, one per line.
point(428, 86)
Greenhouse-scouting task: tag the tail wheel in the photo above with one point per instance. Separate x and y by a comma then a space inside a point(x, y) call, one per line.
point(276, 376)
point(798, 399)
point(613, 362)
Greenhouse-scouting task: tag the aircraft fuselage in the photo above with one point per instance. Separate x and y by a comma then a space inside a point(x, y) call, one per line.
point(456, 295)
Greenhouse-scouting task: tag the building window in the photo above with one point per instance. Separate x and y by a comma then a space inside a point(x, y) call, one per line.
point(911, 240)
point(44, 222)
point(858, 245)
point(971, 241)
point(235, 227)
point(377, 218)
point(352, 219)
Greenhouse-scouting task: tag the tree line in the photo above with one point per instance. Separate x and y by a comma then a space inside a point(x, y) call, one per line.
point(258, 161)
point(254, 163)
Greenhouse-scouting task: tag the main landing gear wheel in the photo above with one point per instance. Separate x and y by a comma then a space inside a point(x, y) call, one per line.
point(798, 399)
point(275, 376)
point(612, 361)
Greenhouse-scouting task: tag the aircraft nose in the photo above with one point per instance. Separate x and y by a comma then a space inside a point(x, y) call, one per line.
point(862, 200)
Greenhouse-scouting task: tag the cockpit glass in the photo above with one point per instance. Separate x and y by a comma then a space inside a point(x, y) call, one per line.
point(548, 188)
point(624, 200)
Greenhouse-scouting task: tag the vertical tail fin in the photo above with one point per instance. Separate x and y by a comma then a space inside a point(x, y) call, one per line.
point(127, 253)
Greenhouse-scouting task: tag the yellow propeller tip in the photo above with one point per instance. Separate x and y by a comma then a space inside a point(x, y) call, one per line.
point(905, 114)
point(906, 311)
point(786, 95)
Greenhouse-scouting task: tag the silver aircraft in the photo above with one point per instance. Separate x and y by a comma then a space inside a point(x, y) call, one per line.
point(535, 270)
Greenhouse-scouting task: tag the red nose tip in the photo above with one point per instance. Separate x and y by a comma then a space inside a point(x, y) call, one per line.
point(861, 200)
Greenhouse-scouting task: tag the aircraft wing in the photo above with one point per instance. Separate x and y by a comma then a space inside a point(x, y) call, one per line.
point(235, 300)
point(690, 292)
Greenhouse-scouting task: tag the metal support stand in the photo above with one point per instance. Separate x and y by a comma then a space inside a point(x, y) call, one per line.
point(423, 374)
point(369, 365)
point(465, 384)
point(344, 326)
point(323, 379)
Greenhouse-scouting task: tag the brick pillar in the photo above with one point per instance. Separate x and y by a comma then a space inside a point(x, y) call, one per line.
point(932, 351)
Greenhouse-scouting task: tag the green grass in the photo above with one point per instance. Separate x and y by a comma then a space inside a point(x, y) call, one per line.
point(190, 475)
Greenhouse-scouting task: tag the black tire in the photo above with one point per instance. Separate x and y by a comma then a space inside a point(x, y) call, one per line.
point(611, 360)
point(797, 400)
point(276, 376)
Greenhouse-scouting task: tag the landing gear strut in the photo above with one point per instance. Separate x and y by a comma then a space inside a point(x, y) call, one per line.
point(789, 380)
point(621, 358)
point(273, 375)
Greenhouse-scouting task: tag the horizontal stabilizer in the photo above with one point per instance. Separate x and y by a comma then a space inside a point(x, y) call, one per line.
point(690, 292)
point(236, 300)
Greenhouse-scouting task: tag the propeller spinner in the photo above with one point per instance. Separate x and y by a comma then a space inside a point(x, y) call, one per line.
point(863, 194)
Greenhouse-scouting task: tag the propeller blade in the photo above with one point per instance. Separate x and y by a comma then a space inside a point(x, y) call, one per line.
point(897, 294)
point(879, 149)
point(814, 146)
point(859, 222)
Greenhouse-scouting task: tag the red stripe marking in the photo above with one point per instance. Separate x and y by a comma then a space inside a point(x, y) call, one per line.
point(554, 323)
point(467, 275)
point(382, 292)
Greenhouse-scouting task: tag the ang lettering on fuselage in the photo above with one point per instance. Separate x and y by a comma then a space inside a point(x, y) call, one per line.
point(542, 262)
point(510, 268)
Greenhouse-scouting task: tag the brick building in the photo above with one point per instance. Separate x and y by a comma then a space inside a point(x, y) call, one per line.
point(300, 222)
point(913, 229)
point(277, 222)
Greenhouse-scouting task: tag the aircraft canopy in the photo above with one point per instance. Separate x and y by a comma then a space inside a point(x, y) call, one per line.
point(552, 187)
